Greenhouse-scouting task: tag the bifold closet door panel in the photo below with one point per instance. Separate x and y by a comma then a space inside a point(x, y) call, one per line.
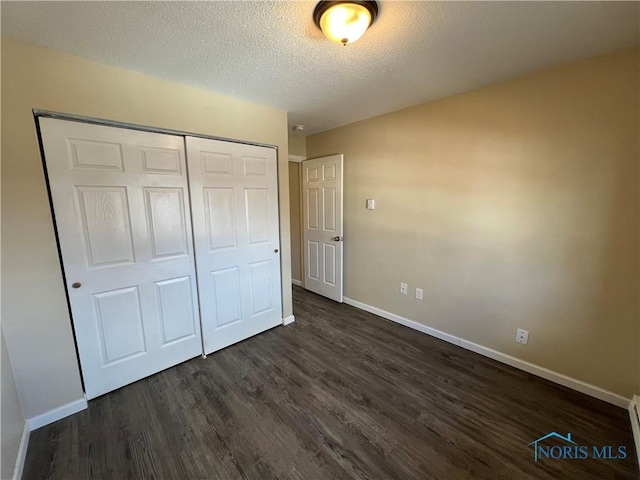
point(122, 215)
point(234, 201)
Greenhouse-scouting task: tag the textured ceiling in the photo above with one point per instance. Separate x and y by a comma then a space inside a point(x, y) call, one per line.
point(271, 52)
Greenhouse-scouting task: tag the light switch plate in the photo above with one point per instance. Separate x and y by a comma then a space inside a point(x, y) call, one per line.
point(371, 204)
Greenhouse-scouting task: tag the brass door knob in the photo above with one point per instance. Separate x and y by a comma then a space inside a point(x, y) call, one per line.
point(76, 285)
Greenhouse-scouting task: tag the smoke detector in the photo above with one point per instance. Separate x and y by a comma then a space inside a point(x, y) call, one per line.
point(298, 128)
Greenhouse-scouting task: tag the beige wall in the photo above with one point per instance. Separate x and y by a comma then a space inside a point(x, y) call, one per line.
point(297, 145)
point(296, 233)
point(12, 419)
point(34, 312)
point(515, 205)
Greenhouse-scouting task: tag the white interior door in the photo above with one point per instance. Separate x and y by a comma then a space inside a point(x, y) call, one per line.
point(234, 198)
point(322, 230)
point(121, 207)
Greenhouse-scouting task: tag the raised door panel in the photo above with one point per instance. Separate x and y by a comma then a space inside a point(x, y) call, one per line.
point(216, 163)
point(175, 302)
point(312, 174)
point(329, 264)
point(166, 222)
point(227, 296)
point(329, 210)
point(95, 154)
point(313, 209)
point(220, 218)
point(120, 324)
point(329, 172)
point(257, 215)
point(106, 223)
point(261, 286)
point(161, 160)
point(313, 267)
point(254, 166)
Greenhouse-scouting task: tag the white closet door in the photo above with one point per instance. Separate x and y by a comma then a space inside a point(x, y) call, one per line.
point(122, 214)
point(234, 197)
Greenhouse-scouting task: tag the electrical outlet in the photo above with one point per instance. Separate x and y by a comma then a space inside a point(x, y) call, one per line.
point(419, 293)
point(522, 336)
point(404, 288)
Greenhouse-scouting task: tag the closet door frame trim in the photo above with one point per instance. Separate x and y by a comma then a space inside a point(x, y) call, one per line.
point(144, 128)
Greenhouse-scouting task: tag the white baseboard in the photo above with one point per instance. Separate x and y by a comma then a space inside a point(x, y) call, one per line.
point(296, 282)
point(288, 320)
point(57, 414)
point(634, 415)
point(22, 453)
point(545, 373)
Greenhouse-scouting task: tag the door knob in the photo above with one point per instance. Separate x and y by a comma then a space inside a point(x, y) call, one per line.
point(338, 239)
point(76, 285)
point(275, 251)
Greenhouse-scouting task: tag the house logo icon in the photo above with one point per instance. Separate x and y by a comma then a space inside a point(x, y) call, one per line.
point(549, 435)
point(570, 450)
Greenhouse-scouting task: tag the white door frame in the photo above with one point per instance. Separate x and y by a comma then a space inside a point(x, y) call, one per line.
point(299, 159)
point(41, 113)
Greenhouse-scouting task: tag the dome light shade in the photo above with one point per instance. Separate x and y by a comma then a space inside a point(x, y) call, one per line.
point(345, 21)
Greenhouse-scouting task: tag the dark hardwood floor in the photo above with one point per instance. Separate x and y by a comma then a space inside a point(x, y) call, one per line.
point(339, 394)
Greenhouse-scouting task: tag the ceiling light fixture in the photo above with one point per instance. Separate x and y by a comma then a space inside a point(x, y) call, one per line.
point(345, 21)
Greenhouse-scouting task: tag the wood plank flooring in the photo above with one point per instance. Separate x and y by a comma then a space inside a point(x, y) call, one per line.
point(340, 393)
